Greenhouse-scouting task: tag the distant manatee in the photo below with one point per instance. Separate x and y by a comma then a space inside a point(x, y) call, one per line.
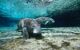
point(45, 20)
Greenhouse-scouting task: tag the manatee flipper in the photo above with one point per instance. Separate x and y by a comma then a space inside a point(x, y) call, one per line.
point(25, 33)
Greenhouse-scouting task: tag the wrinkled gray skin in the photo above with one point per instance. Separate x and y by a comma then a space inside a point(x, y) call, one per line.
point(32, 27)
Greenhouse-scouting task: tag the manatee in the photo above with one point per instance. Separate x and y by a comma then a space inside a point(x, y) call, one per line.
point(32, 27)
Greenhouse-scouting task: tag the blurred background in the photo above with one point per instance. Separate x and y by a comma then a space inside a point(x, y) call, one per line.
point(66, 13)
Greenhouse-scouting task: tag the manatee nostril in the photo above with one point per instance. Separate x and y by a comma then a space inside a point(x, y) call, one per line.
point(36, 29)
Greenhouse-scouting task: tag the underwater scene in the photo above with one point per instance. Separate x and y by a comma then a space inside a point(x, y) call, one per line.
point(39, 24)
